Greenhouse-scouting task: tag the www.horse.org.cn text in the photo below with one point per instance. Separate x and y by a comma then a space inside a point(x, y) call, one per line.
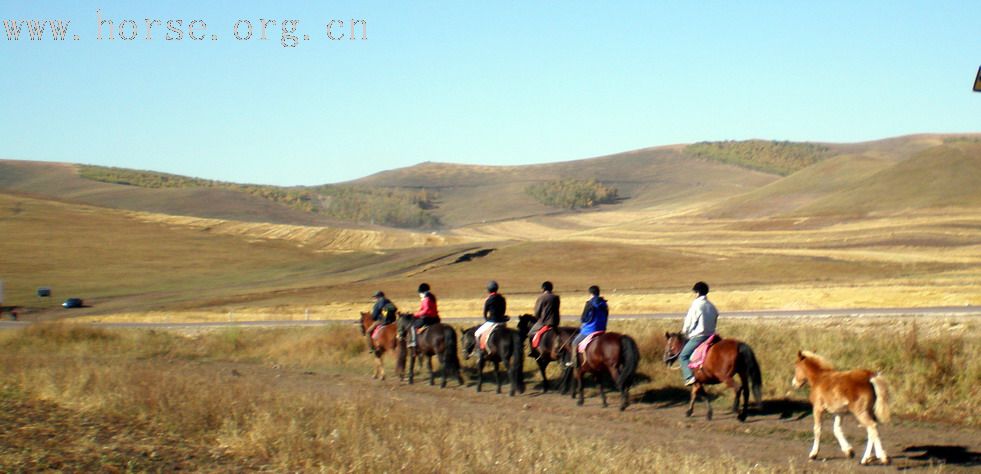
point(124, 30)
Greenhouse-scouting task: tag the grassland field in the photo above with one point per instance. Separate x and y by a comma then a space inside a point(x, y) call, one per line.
point(301, 400)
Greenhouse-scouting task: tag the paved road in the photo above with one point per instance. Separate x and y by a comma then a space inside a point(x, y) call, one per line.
point(810, 313)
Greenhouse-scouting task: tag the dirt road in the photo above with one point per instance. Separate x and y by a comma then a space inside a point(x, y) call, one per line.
point(777, 436)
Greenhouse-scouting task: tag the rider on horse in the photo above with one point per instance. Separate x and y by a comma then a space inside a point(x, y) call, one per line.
point(382, 305)
point(594, 317)
point(546, 314)
point(494, 308)
point(699, 324)
point(427, 314)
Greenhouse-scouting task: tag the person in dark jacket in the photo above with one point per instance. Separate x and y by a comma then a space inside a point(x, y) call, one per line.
point(427, 315)
point(594, 317)
point(546, 313)
point(383, 312)
point(495, 307)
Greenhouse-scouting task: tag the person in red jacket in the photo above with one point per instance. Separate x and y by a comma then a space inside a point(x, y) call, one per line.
point(427, 314)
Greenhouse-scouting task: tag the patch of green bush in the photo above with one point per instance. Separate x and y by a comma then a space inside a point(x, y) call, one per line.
point(572, 193)
point(782, 158)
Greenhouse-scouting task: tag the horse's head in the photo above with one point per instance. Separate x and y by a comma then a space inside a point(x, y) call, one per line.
point(365, 322)
point(525, 321)
point(673, 343)
point(468, 341)
point(808, 363)
point(403, 323)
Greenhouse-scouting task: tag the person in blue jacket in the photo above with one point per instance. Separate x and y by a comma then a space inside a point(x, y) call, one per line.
point(594, 317)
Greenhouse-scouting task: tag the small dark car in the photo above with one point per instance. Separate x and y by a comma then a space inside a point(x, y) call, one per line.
point(72, 303)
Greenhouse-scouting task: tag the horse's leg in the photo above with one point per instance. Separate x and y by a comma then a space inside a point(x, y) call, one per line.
point(542, 363)
point(497, 375)
point(432, 373)
point(480, 372)
point(579, 387)
point(412, 366)
point(378, 368)
point(599, 381)
point(817, 433)
point(737, 389)
point(691, 403)
point(873, 442)
point(708, 401)
point(845, 447)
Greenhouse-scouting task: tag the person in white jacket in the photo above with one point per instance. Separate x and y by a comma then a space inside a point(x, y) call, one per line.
point(699, 324)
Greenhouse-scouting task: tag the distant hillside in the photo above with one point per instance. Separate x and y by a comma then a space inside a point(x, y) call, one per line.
point(753, 178)
point(946, 175)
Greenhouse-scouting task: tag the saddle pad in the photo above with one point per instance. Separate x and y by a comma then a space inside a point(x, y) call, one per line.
point(537, 339)
point(422, 329)
point(698, 357)
point(486, 335)
point(374, 333)
point(585, 342)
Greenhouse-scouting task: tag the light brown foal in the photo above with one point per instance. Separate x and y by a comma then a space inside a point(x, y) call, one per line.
point(862, 392)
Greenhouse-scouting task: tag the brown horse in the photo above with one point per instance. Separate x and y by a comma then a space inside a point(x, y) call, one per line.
point(503, 346)
point(551, 347)
point(724, 360)
point(862, 392)
point(384, 340)
point(609, 353)
point(438, 339)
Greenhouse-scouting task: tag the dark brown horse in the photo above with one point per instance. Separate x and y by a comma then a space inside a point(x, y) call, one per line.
point(437, 340)
point(551, 347)
point(503, 346)
point(385, 339)
point(724, 360)
point(609, 353)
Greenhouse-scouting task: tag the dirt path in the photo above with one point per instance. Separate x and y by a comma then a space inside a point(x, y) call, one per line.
point(778, 436)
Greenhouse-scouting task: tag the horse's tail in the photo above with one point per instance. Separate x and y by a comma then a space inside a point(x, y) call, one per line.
point(881, 407)
point(752, 371)
point(451, 361)
point(629, 358)
point(517, 372)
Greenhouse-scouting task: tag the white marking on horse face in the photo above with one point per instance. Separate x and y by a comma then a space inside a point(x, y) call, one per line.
point(796, 383)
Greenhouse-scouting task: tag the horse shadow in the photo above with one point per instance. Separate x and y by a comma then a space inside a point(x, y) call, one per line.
point(949, 455)
point(666, 397)
point(785, 409)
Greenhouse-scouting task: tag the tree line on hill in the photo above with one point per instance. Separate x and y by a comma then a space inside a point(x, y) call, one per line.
point(394, 207)
point(776, 157)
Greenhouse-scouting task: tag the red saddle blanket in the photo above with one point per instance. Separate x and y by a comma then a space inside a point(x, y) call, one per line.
point(698, 357)
point(374, 332)
point(482, 340)
point(585, 342)
point(537, 339)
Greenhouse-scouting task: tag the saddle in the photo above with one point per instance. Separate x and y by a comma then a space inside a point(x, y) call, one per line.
point(374, 332)
point(585, 342)
point(537, 338)
point(422, 329)
point(486, 335)
point(698, 357)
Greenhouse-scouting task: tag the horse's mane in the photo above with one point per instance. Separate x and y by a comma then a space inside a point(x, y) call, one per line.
point(818, 360)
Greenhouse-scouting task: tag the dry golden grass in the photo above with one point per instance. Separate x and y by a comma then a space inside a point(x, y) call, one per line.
point(161, 405)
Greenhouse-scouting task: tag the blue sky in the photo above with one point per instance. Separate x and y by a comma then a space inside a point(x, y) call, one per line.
point(492, 82)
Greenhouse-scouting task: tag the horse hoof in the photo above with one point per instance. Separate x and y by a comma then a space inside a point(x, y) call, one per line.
point(812, 457)
point(580, 402)
point(708, 416)
point(886, 461)
point(850, 453)
point(741, 417)
point(688, 413)
point(867, 461)
point(623, 407)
